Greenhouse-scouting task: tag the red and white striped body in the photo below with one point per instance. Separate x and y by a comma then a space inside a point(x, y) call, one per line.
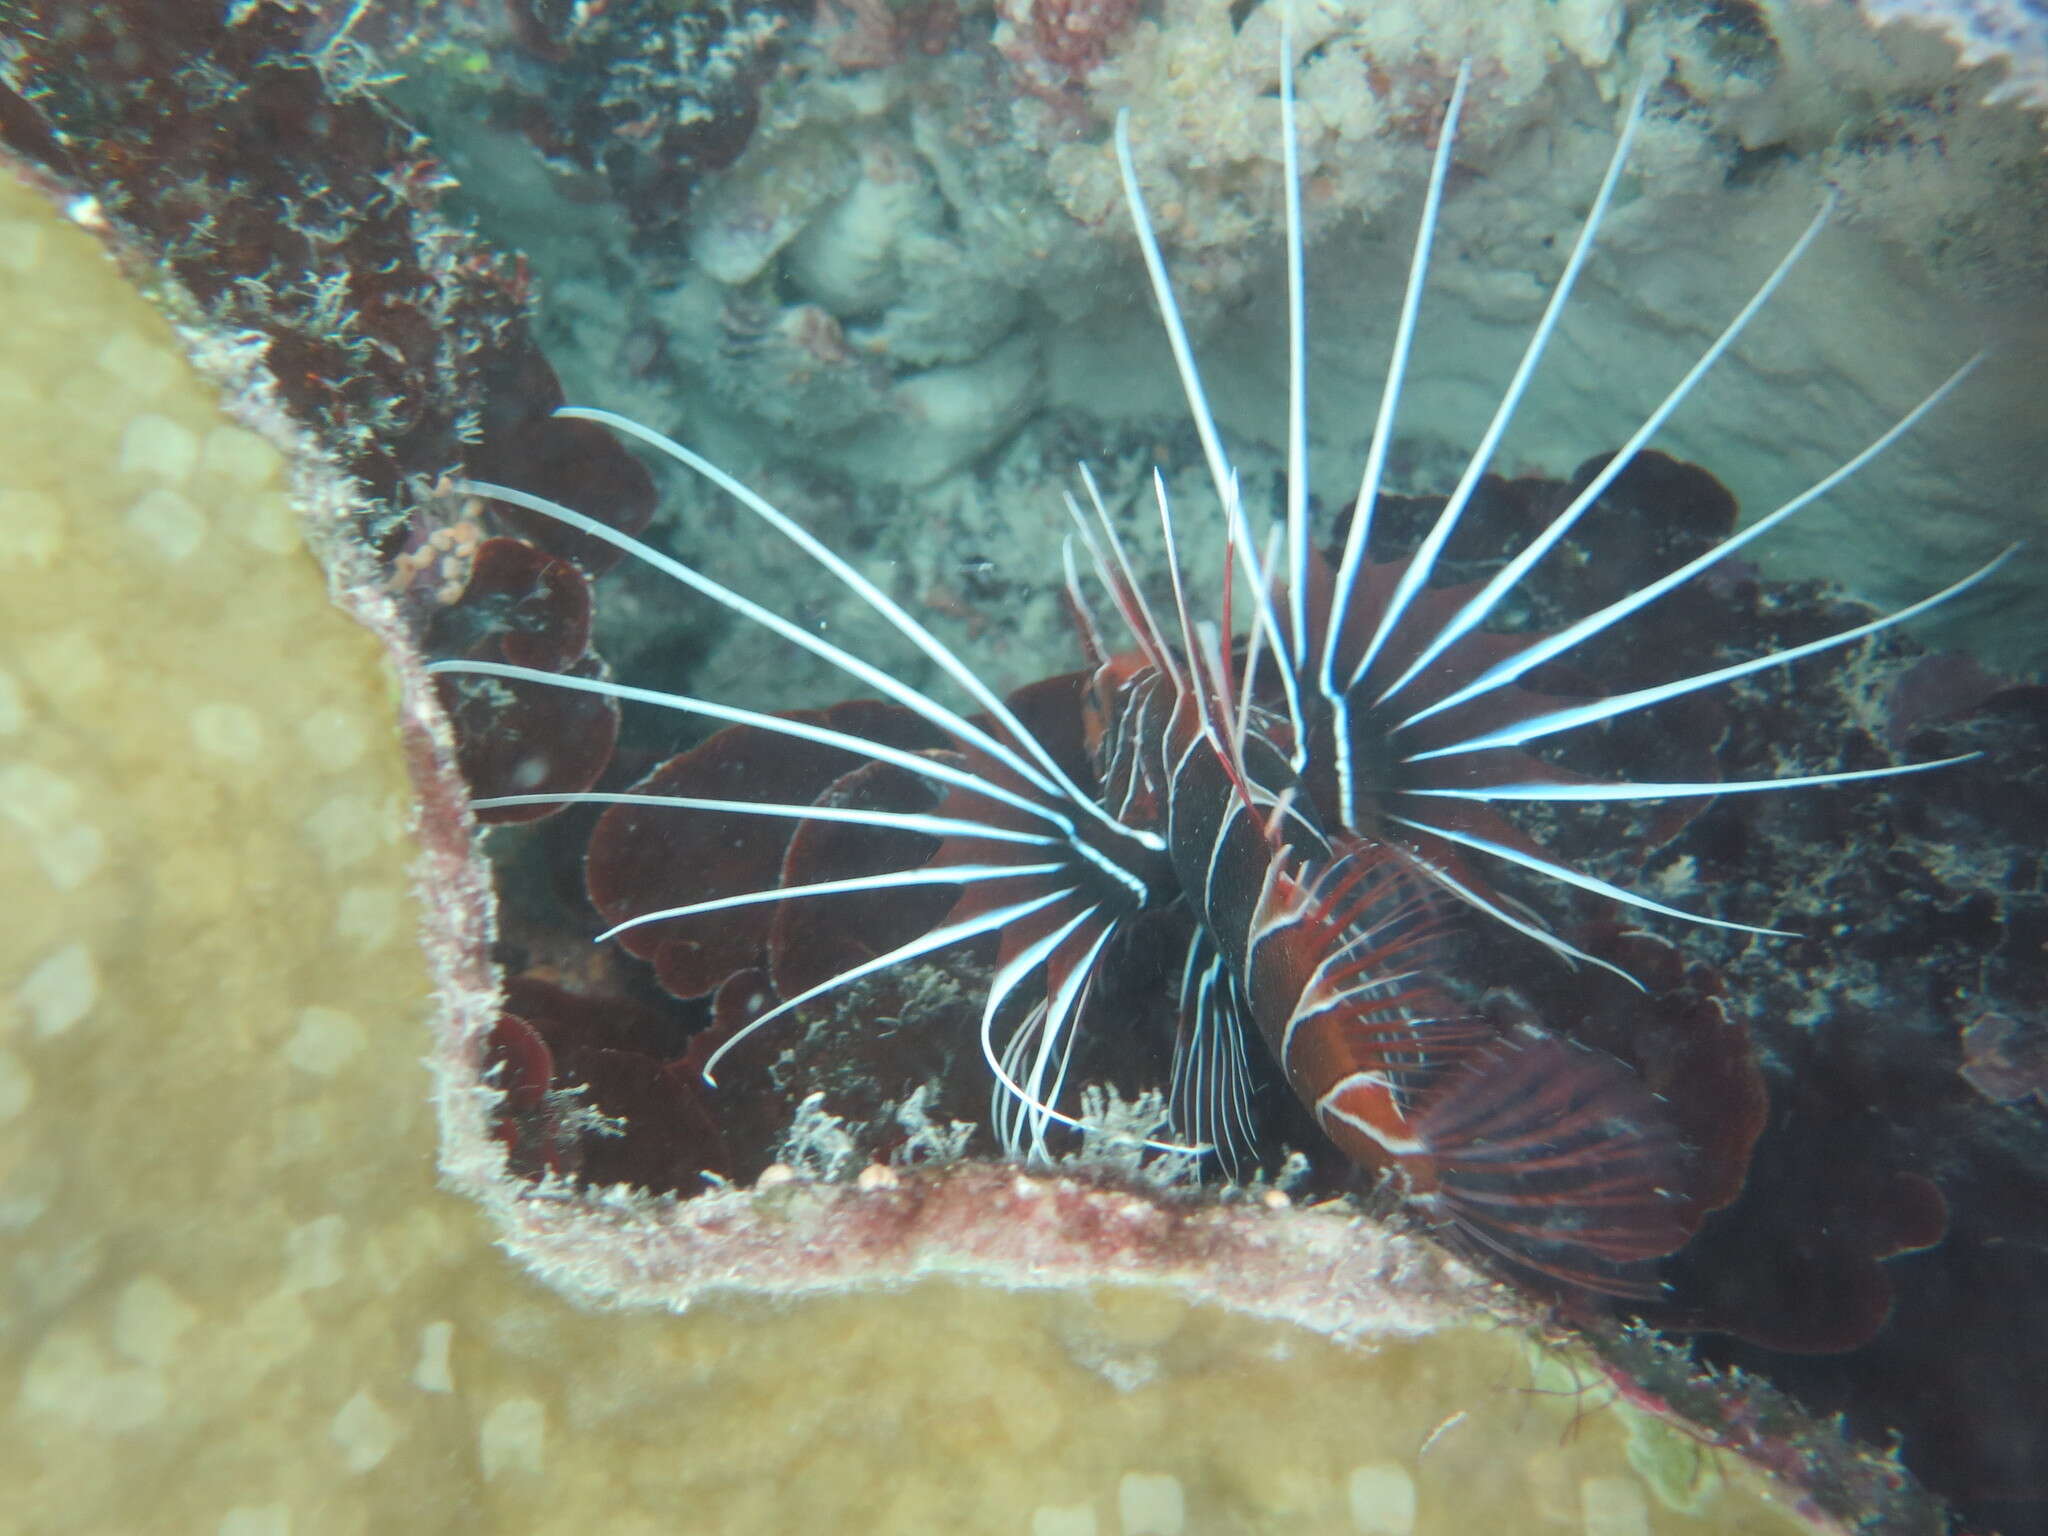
point(1552, 1156)
point(1325, 945)
point(1317, 826)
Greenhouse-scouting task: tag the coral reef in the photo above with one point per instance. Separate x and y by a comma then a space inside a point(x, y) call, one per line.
point(1769, 1050)
point(242, 1305)
point(909, 307)
point(915, 289)
point(648, 97)
point(2005, 1060)
point(307, 217)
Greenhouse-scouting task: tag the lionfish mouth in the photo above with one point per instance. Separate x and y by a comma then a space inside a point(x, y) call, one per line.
point(1311, 806)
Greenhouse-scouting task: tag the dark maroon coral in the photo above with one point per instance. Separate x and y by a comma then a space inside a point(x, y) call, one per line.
point(307, 215)
point(528, 608)
point(521, 605)
point(1681, 1039)
point(2006, 1059)
point(577, 1070)
point(515, 737)
point(645, 858)
point(810, 941)
point(1076, 35)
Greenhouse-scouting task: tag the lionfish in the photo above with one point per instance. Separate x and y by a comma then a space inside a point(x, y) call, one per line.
point(1316, 799)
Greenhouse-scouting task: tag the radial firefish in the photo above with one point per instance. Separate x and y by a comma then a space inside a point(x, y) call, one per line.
point(1315, 802)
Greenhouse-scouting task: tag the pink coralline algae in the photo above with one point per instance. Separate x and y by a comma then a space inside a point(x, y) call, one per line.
point(873, 34)
point(1055, 45)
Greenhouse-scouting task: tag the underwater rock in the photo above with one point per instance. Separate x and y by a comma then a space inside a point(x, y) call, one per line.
point(633, 105)
point(851, 260)
point(942, 419)
point(2009, 34)
point(769, 199)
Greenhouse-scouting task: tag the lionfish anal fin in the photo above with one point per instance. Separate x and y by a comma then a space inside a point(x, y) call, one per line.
point(1557, 1159)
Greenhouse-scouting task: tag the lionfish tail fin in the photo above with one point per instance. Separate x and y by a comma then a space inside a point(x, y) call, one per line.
point(1557, 1160)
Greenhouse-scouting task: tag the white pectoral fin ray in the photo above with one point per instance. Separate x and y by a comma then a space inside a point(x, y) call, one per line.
point(1569, 953)
point(896, 821)
point(1043, 769)
point(1169, 313)
point(1702, 789)
point(1297, 361)
point(938, 938)
point(1117, 575)
point(1359, 534)
point(928, 767)
point(1569, 876)
point(895, 879)
point(1211, 1078)
point(1620, 704)
point(1221, 473)
point(1423, 566)
point(1047, 1034)
point(1488, 598)
point(1053, 1022)
point(883, 682)
point(1555, 645)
